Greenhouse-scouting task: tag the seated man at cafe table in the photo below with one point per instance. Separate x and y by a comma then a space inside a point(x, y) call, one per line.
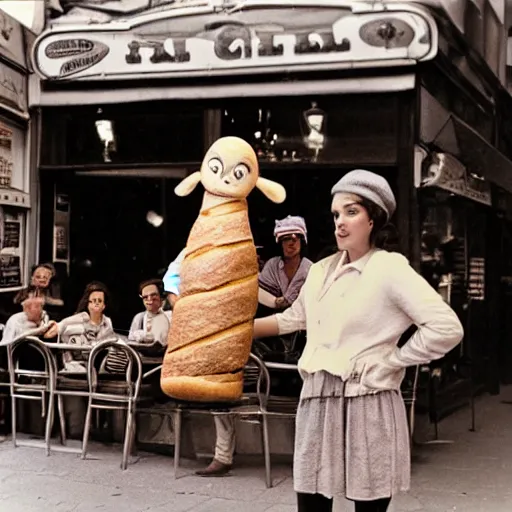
point(32, 321)
point(224, 424)
point(152, 325)
point(43, 278)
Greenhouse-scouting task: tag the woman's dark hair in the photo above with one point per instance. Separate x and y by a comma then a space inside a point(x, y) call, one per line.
point(327, 251)
point(95, 286)
point(384, 235)
point(157, 282)
point(303, 247)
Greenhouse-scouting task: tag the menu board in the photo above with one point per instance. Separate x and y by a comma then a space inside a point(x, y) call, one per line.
point(11, 224)
point(459, 262)
point(476, 284)
point(6, 156)
point(11, 234)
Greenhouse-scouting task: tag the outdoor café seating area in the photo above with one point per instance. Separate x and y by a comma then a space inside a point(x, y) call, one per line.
point(135, 394)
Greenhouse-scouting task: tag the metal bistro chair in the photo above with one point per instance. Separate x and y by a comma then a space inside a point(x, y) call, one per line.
point(253, 407)
point(66, 385)
point(4, 385)
point(120, 395)
point(176, 409)
point(266, 405)
point(273, 406)
point(41, 389)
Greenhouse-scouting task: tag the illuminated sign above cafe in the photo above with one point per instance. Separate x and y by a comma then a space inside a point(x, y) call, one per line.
point(446, 172)
point(254, 39)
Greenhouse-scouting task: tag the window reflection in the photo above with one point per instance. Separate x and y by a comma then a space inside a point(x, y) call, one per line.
point(443, 245)
point(151, 133)
point(324, 129)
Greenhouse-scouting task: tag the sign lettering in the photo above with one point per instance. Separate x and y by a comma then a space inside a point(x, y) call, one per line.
point(69, 67)
point(446, 172)
point(236, 42)
point(68, 48)
point(310, 37)
point(89, 53)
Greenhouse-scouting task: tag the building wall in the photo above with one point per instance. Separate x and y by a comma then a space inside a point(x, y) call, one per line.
point(18, 175)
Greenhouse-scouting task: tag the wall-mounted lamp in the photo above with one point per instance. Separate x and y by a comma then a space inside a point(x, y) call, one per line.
point(154, 219)
point(315, 135)
point(105, 129)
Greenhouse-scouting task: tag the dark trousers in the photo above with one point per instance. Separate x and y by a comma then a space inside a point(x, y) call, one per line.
point(319, 503)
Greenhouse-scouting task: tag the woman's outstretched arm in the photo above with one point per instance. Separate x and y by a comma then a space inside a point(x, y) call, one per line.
point(266, 327)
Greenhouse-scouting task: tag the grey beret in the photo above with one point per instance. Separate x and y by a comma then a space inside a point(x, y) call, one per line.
point(370, 186)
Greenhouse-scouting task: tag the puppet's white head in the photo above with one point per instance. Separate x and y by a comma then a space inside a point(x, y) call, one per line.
point(230, 169)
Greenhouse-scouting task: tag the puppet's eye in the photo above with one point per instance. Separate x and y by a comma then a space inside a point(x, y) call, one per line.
point(215, 165)
point(241, 170)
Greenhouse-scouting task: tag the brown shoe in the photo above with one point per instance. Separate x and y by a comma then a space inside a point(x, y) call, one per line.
point(215, 468)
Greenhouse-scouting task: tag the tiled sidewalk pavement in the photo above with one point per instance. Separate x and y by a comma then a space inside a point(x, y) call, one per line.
point(471, 475)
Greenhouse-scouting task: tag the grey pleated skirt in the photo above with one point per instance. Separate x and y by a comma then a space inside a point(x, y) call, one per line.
point(357, 447)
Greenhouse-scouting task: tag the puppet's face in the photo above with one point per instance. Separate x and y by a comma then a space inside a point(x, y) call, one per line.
point(230, 168)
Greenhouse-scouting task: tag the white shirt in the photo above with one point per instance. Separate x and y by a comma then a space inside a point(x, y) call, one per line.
point(19, 324)
point(157, 327)
point(355, 314)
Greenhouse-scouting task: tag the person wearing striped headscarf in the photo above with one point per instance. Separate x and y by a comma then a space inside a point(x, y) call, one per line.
point(282, 277)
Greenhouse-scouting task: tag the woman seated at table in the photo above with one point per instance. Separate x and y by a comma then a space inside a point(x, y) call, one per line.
point(87, 327)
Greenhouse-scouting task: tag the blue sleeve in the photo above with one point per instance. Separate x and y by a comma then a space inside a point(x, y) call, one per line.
point(172, 276)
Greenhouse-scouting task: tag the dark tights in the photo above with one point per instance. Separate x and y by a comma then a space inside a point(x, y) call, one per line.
point(319, 503)
point(373, 506)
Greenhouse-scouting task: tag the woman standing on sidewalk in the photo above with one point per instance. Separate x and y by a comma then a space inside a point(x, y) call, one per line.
point(351, 428)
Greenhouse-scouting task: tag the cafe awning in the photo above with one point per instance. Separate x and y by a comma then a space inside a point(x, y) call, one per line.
point(468, 146)
point(62, 96)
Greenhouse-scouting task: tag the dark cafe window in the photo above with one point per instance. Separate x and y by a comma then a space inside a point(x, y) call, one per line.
point(325, 129)
point(160, 132)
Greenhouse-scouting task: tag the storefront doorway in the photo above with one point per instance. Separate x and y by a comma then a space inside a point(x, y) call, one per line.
point(118, 163)
point(127, 229)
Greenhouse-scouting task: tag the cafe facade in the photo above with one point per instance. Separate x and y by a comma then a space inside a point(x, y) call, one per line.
point(128, 106)
point(18, 169)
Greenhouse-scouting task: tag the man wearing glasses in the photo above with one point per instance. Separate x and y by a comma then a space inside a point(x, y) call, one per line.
point(151, 325)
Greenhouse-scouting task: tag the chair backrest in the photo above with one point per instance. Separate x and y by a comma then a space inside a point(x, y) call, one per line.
point(4, 372)
point(14, 353)
point(409, 390)
point(133, 373)
point(262, 379)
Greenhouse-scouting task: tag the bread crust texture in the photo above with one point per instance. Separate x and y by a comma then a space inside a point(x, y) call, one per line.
point(211, 330)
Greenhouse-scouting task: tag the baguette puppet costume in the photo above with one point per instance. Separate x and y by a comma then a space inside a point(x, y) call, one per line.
point(212, 326)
